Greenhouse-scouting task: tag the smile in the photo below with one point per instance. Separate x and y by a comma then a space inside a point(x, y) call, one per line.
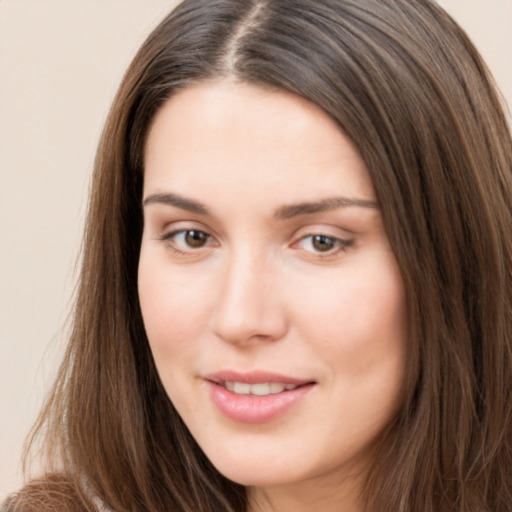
point(258, 389)
point(256, 397)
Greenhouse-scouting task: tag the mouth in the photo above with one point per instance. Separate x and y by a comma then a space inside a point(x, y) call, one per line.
point(256, 389)
point(256, 383)
point(256, 397)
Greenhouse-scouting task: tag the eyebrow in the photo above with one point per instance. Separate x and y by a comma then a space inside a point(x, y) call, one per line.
point(324, 205)
point(177, 201)
point(282, 213)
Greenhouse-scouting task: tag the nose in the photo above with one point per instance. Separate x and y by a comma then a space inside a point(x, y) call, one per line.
point(249, 307)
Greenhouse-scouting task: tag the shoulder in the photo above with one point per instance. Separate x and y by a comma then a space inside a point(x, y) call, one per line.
point(51, 493)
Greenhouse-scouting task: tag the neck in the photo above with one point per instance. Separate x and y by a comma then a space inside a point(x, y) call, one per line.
point(307, 496)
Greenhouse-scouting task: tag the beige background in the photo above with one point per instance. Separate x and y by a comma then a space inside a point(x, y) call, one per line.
point(60, 64)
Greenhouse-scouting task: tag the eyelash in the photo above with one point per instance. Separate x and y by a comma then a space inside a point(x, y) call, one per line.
point(339, 244)
point(171, 239)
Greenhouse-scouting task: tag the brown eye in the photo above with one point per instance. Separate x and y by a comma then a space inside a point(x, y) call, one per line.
point(195, 238)
point(322, 243)
point(188, 242)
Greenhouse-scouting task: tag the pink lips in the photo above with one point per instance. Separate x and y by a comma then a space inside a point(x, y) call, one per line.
point(251, 408)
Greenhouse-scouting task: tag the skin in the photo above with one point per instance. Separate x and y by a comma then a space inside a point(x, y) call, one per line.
point(258, 292)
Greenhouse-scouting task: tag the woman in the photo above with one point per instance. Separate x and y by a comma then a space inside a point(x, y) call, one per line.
point(296, 286)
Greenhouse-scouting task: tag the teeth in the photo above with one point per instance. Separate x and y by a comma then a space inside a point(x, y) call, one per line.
point(275, 387)
point(241, 388)
point(259, 389)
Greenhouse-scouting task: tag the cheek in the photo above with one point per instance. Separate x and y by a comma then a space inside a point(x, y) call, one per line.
point(361, 335)
point(174, 310)
point(358, 320)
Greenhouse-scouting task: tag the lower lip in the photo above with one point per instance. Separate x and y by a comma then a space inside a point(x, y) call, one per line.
point(253, 408)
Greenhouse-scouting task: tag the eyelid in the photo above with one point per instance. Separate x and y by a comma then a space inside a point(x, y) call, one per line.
point(171, 234)
point(323, 229)
point(168, 229)
point(169, 237)
point(343, 241)
point(340, 241)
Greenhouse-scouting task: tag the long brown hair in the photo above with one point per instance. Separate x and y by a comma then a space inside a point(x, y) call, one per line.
point(403, 81)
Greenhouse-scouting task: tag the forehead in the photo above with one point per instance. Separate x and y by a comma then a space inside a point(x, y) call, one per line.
point(255, 138)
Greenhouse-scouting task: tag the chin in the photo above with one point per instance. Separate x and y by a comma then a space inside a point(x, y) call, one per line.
point(255, 468)
point(251, 476)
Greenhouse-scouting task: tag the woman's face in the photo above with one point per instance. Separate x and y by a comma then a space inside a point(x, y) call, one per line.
point(272, 301)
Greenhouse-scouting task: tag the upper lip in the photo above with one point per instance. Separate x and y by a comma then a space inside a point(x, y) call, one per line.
point(254, 377)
